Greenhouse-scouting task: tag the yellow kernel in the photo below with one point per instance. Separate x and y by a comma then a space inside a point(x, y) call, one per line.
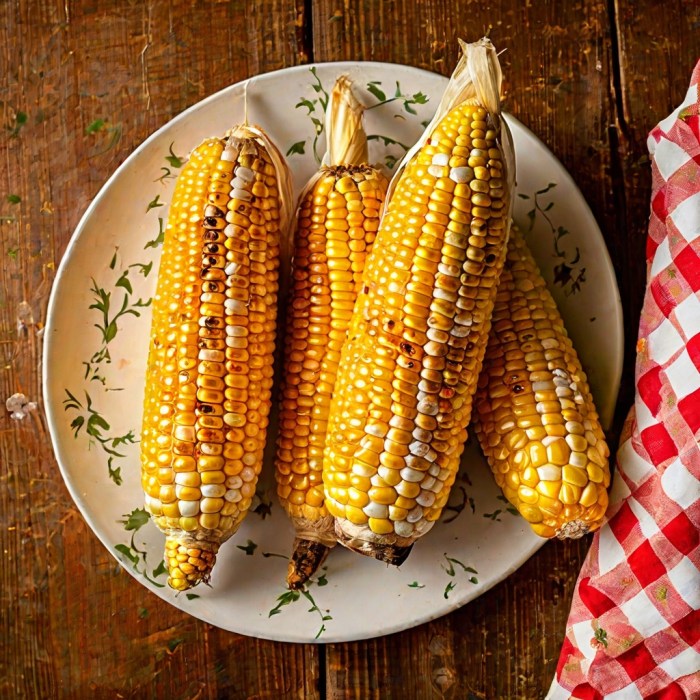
point(569, 495)
point(380, 526)
point(355, 515)
point(528, 495)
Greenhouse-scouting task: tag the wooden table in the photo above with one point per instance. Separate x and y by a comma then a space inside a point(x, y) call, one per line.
point(590, 78)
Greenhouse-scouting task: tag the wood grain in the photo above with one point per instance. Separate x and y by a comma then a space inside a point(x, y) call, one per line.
point(84, 82)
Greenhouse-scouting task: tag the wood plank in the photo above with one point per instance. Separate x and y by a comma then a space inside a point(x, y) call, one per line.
point(85, 83)
point(558, 65)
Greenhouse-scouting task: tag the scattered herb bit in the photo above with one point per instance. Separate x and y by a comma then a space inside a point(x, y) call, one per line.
point(298, 147)
point(191, 596)
point(142, 613)
point(249, 547)
point(154, 203)
point(160, 569)
point(494, 515)
point(158, 240)
point(267, 555)
point(601, 636)
point(448, 589)
point(14, 198)
point(173, 644)
point(13, 253)
point(174, 160)
point(415, 584)
point(285, 599)
point(19, 120)
point(94, 127)
point(136, 519)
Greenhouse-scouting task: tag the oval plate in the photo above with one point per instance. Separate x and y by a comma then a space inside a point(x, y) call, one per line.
point(95, 354)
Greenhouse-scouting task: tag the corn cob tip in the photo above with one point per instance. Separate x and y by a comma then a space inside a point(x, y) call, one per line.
point(394, 553)
point(307, 556)
point(189, 561)
point(574, 530)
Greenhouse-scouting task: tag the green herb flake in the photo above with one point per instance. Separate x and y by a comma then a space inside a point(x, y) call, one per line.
point(249, 548)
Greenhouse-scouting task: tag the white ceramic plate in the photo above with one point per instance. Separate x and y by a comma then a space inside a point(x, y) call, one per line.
point(95, 352)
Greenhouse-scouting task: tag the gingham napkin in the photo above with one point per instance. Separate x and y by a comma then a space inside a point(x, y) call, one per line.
point(634, 626)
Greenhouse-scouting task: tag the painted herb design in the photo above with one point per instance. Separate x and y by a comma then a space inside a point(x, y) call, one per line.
point(316, 109)
point(96, 427)
point(137, 557)
point(569, 273)
point(113, 302)
point(289, 597)
point(452, 567)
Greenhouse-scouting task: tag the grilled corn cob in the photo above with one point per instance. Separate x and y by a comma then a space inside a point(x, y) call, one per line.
point(417, 337)
point(210, 363)
point(535, 418)
point(337, 221)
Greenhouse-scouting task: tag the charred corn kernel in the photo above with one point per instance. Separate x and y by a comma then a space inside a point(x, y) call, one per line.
point(532, 369)
point(419, 329)
point(226, 213)
point(337, 218)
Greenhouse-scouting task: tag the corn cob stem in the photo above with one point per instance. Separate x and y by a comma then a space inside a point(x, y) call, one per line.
point(209, 374)
point(337, 219)
point(418, 332)
point(535, 417)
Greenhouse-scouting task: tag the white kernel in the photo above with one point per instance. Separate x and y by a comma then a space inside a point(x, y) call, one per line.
point(428, 482)
point(248, 474)
point(578, 459)
point(541, 386)
point(236, 331)
point(246, 174)
point(233, 495)
point(234, 482)
point(209, 449)
point(574, 427)
point(428, 406)
point(233, 342)
point(425, 499)
point(420, 449)
point(242, 195)
point(441, 159)
point(376, 510)
point(235, 306)
point(412, 475)
point(184, 432)
point(376, 429)
point(212, 490)
point(361, 469)
point(229, 231)
point(211, 355)
point(549, 439)
point(434, 470)
point(230, 155)
point(187, 479)
point(403, 528)
point(437, 170)
point(415, 514)
point(549, 472)
point(239, 182)
point(461, 174)
point(188, 509)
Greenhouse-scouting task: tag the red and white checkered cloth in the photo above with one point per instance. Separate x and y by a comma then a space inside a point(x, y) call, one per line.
point(634, 626)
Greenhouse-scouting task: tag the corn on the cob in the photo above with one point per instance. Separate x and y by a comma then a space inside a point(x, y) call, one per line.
point(210, 364)
point(409, 369)
point(337, 221)
point(534, 414)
